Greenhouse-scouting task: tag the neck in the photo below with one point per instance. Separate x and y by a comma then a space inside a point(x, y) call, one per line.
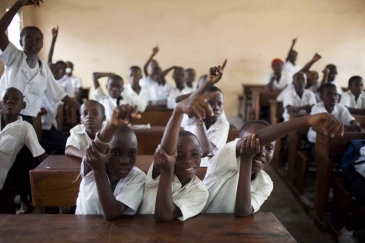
point(31, 59)
point(293, 62)
point(180, 87)
point(209, 122)
point(136, 88)
point(299, 93)
point(6, 119)
point(69, 74)
point(190, 85)
point(329, 108)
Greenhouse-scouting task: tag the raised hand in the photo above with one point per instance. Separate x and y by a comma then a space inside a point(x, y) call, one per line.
point(124, 114)
point(250, 147)
point(42, 111)
point(30, 2)
point(215, 73)
point(327, 123)
point(163, 161)
point(295, 40)
point(316, 57)
point(155, 50)
point(55, 33)
point(94, 158)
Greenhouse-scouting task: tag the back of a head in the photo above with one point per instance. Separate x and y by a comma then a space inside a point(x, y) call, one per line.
point(249, 124)
point(325, 87)
point(213, 88)
point(115, 77)
point(31, 28)
point(331, 67)
point(353, 79)
point(125, 130)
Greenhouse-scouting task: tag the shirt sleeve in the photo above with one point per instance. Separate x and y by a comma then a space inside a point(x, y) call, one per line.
point(31, 141)
point(171, 103)
point(345, 115)
point(54, 91)
point(219, 137)
point(345, 99)
point(267, 79)
point(260, 196)
point(78, 83)
point(312, 99)
point(98, 94)
point(287, 98)
point(10, 54)
point(73, 140)
point(70, 91)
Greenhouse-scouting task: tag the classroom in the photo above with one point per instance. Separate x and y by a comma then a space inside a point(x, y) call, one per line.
point(183, 121)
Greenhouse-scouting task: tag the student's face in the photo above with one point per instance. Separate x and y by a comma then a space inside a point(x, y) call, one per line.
point(32, 42)
point(179, 77)
point(59, 71)
point(12, 102)
point(277, 67)
point(217, 105)
point(356, 87)
point(151, 65)
point(293, 56)
point(70, 65)
point(312, 78)
point(123, 156)
point(134, 75)
point(299, 82)
point(156, 73)
point(332, 75)
point(190, 76)
point(91, 116)
point(264, 157)
point(329, 97)
point(188, 158)
point(115, 87)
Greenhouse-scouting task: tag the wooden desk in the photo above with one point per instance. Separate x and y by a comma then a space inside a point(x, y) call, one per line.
point(247, 98)
point(276, 111)
point(152, 108)
point(154, 118)
point(360, 119)
point(260, 227)
point(261, 98)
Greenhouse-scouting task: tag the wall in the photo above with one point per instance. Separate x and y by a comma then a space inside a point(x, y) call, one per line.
point(114, 35)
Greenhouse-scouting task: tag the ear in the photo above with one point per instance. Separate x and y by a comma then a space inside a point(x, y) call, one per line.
point(20, 41)
point(104, 118)
point(24, 104)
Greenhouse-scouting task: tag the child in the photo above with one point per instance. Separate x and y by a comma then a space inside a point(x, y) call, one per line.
point(151, 63)
point(92, 117)
point(278, 80)
point(354, 98)
point(180, 88)
point(111, 184)
point(190, 75)
point(115, 88)
point(76, 82)
point(290, 68)
point(32, 76)
point(14, 134)
point(235, 178)
point(298, 99)
point(140, 94)
point(329, 97)
point(329, 76)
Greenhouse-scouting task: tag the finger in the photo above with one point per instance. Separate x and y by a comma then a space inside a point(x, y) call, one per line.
point(336, 128)
point(123, 113)
point(332, 125)
point(208, 109)
point(224, 65)
point(196, 113)
point(134, 111)
point(211, 95)
point(211, 72)
point(129, 110)
point(257, 145)
point(253, 141)
point(215, 71)
point(342, 130)
point(327, 124)
point(244, 143)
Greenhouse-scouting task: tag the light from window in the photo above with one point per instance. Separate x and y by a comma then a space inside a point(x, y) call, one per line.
point(14, 30)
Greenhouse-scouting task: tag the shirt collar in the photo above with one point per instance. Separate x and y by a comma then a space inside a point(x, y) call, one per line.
point(40, 62)
point(20, 119)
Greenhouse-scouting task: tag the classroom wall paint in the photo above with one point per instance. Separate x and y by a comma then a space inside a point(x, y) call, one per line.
point(114, 35)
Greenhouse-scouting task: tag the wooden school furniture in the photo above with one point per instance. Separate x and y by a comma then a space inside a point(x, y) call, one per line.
point(154, 118)
point(261, 98)
point(259, 227)
point(151, 107)
point(247, 99)
point(276, 111)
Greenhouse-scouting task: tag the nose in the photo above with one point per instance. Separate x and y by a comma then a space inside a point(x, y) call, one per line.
point(123, 160)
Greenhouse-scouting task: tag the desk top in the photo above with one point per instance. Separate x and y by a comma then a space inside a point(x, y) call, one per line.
point(260, 227)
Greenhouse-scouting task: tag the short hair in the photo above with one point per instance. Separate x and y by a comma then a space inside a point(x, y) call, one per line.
point(136, 68)
point(70, 63)
point(98, 103)
point(125, 130)
point(177, 69)
point(189, 70)
point(115, 76)
point(60, 63)
point(213, 88)
point(25, 29)
point(183, 133)
point(301, 72)
point(331, 67)
point(326, 86)
point(249, 124)
point(353, 79)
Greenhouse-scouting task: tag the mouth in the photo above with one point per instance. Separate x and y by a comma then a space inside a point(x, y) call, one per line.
point(190, 169)
point(258, 161)
point(125, 170)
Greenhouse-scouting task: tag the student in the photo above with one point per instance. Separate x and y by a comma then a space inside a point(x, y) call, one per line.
point(115, 88)
point(180, 88)
point(278, 80)
point(290, 67)
point(151, 63)
point(298, 99)
point(139, 94)
point(329, 97)
point(111, 183)
point(329, 76)
point(76, 82)
point(235, 178)
point(92, 117)
point(190, 75)
point(14, 134)
point(354, 98)
point(25, 70)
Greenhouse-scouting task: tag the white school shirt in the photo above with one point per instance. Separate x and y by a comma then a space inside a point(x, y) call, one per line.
point(110, 103)
point(75, 82)
point(339, 111)
point(293, 99)
point(190, 198)
point(348, 100)
point(128, 191)
point(283, 81)
point(49, 119)
point(79, 137)
point(159, 92)
point(221, 180)
point(291, 69)
point(175, 92)
point(282, 94)
point(16, 75)
point(12, 139)
point(66, 85)
point(141, 99)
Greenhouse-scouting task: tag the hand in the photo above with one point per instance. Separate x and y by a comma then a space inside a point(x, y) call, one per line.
point(326, 122)
point(155, 50)
point(30, 2)
point(42, 111)
point(295, 40)
point(215, 73)
point(356, 126)
point(124, 114)
point(250, 147)
point(55, 33)
point(316, 57)
point(163, 161)
point(197, 106)
point(95, 159)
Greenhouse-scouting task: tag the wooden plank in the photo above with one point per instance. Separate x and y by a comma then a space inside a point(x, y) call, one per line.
point(261, 98)
point(247, 98)
point(154, 118)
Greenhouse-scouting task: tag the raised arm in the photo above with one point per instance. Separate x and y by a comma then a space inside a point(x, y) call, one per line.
point(326, 72)
point(145, 67)
point(51, 50)
point(307, 66)
point(291, 48)
point(166, 71)
point(97, 75)
point(71, 102)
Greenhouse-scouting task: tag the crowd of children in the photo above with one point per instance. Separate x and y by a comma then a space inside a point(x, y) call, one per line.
point(111, 183)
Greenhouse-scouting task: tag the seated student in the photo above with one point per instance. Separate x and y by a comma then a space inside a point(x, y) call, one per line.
point(14, 134)
point(329, 76)
point(92, 117)
point(354, 98)
point(151, 63)
point(298, 99)
point(111, 183)
point(76, 82)
point(290, 67)
point(139, 94)
point(329, 97)
point(115, 88)
point(278, 80)
point(180, 88)
point(190, 75)
point(235, 178)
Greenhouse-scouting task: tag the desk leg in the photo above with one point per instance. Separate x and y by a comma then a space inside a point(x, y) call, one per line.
point(293, 142)
point(244, 105)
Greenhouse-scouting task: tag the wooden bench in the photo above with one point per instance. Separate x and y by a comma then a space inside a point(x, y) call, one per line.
point(261, 98)
point(154, 118)
point(247, 99)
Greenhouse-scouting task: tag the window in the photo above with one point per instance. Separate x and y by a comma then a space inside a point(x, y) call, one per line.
point(14, 30)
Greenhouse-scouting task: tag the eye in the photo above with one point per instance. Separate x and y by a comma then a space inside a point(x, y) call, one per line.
point(95, 113)
point(115, 153)
point(269, 148)
point(131, 154)
point(180, 156)
point(195, 154)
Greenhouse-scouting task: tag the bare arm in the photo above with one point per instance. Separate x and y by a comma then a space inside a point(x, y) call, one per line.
point(145, 67)
point(202, 135)
point(291, 48)
point(97, 75)
point(5, 22)
point(75, 152)
point(71, 102)
point(51, 50)
point(307, 66)
point(182, 97)
point(326, 72)
point(165, 72)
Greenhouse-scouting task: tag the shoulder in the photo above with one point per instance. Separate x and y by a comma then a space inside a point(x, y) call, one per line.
point(79, 129)
point(265, 177)
point(197, 185)
point(137, 175)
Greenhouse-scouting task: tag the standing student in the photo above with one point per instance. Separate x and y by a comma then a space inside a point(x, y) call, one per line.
point(190, 75)
point(111, 183)
point(115, 88)
point(180, 88)
point(92, 119)
point(14, 134)
point(139, 94)
point(278, 80)
point(290, 66)
point(354, 98)
point(235, 178)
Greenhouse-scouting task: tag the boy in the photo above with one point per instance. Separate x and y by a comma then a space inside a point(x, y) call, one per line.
point(151, 63)
point(298, 98)
point(278, 80)
point(14, 134)
point(111, 184)
point(290, 68)
point(180, 88)
point(354, 98)
point(76, 82)
point(139, 93)
point(235, 178)
point(329, 76)
point(329, 97)
point(92, 117)
point(190, 75)
point(115, 88)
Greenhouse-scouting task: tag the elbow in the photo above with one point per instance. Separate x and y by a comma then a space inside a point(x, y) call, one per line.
point(242, 214)
point(110, 217)
point(160, 218)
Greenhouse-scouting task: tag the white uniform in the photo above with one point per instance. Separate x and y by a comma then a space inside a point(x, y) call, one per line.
point(291, 98)
point(281, 84)
point(141, 99)
point(291, 69)
point(348, 100)
point(65, 83)
point(175, 92)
